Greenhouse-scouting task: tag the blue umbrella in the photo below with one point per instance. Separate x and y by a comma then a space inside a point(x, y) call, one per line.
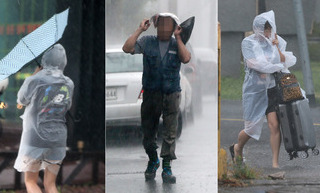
point(33, 44)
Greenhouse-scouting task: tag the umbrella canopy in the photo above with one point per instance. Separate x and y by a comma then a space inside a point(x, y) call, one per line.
point(33, 44)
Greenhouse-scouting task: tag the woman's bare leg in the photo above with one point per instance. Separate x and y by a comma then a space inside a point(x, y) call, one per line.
point(238, 148)
point(50, 180)
point(275, 138)
point(31, 181)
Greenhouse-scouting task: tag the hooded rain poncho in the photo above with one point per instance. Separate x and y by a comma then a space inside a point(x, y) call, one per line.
point(47, 96)
point(261, 59)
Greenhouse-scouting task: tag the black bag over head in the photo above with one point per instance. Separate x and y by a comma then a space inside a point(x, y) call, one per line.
point(187, 27)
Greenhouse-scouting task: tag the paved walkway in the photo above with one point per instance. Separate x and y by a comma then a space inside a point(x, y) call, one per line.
point(300, 174)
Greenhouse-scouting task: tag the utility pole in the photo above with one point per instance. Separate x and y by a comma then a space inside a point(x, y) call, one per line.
point(261, 6)
point(304, 52)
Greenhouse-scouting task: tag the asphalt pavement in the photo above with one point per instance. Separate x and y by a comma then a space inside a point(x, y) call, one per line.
point(195, 168)
point(301, 175)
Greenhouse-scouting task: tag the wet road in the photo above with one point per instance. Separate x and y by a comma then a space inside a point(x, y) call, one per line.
point(195, 168)
point(302, 175)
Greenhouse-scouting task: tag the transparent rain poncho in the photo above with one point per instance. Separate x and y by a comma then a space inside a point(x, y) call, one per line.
point(261, 59)
point(47, 96)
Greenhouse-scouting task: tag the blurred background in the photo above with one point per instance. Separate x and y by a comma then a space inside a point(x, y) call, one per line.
point(197, 124)
point(84, 41)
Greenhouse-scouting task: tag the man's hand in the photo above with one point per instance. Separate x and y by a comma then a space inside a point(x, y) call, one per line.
point(144, 25)
point(177, 31)
point(19, 106)
point(128, 46)
point(183, 52)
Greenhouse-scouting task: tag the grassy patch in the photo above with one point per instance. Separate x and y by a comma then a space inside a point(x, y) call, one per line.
point(315, 69)
point(314, 51)
point(244, 172)
point(239, 175)
point(231, 88)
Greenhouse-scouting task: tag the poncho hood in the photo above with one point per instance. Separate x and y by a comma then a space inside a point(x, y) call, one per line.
point(54, 58)
point(259, 22)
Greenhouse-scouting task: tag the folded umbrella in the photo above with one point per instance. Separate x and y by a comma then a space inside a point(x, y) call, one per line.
point(33, 44)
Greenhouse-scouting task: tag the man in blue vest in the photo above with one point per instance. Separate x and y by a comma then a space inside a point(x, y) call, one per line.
point(162, 57)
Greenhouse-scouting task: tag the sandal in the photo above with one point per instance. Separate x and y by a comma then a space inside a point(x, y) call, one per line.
point(231, 149)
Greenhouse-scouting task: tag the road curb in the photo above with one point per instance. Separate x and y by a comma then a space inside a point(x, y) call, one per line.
point(287, 182)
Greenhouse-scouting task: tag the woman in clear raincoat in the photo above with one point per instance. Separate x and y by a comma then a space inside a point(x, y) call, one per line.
point(47, 95)
point(264, 53)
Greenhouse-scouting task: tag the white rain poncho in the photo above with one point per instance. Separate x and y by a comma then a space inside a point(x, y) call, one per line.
point(261, 59)
point(47, 96)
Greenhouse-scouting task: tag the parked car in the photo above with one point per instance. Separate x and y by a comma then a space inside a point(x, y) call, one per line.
point(206, 58)
point(191, 71)
point(124, 91)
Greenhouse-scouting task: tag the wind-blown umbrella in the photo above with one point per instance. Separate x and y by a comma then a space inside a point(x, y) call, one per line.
point(33, 44)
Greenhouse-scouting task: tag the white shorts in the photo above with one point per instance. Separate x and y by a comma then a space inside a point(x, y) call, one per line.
point(28, 164)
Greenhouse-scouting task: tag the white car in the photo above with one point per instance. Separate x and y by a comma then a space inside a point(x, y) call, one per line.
point(124, 90)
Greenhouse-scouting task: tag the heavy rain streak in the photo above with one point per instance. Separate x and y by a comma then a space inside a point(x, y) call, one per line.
point(179, 101)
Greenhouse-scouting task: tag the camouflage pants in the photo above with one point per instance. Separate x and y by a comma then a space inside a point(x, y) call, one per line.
point(154, 104)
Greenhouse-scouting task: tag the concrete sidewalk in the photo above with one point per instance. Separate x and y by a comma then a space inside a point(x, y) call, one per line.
point(301, 175)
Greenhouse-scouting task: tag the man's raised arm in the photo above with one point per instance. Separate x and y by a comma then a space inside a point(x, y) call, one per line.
point(128, 46)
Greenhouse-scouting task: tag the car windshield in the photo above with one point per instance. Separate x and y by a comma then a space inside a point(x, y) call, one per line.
point(121, 62)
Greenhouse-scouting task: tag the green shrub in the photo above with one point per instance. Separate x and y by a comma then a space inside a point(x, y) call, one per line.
point(244, 172)
point(314, 52)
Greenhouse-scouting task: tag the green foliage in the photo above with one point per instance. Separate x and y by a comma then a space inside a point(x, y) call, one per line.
point(239, 175)
point(314, 51)
point(7, 191)
point(231, 88)
point(316, 30)
point(315, 69)
point(244, 172)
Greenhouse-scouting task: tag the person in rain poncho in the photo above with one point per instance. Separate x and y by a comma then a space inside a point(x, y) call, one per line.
point(162, 57)
point(264, 53)
point(47, 95)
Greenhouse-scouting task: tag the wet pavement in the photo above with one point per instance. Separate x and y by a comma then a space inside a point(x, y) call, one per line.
point(195, 168)
point(301, 175)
